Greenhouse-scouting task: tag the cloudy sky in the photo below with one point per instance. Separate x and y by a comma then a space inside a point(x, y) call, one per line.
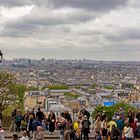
point(70, 29)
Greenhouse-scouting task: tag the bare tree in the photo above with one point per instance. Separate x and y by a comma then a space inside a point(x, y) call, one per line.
point(8, 94)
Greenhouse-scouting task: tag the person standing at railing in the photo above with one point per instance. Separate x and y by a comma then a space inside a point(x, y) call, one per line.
point(13, 115)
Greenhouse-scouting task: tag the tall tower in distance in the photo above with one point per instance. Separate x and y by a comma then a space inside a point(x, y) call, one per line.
point(1, 56)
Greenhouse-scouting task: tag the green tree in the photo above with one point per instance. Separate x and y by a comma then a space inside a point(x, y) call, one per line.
point(93, 86)
point(108, 87)
point(20, 89)
point(32, 88)
point(43, 88)
point(71, 95)
point(8, 94)
point(110, 111)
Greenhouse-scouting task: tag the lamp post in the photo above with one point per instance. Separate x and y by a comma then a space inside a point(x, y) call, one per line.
point(1, 56)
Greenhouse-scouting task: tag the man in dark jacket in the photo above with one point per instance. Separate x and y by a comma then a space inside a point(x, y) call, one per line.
point(137, 132)
point(40, 115)
point(85, 112)
point(85, 127)
point(138, 116)
point(67, 116)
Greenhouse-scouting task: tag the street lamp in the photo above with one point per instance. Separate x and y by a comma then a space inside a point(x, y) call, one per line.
point(1, 56)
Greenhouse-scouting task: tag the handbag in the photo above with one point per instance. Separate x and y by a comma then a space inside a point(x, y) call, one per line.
point(123, 138)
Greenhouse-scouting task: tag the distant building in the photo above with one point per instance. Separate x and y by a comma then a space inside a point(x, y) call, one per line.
point(58, 92)
point(74, 105)
point(35, 99)
point(82, 101)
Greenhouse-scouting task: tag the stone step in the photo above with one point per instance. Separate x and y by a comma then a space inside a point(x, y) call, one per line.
point(8, 135)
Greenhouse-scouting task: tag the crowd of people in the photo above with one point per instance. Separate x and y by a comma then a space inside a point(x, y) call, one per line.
point(123, 126)
point(34, 123)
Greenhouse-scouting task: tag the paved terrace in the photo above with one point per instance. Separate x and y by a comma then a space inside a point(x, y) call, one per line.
point(8, 135)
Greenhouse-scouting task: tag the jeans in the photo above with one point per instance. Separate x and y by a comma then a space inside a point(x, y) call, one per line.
point(129, 138)
point(84, 136)
point(61, 137)
point(18, 126)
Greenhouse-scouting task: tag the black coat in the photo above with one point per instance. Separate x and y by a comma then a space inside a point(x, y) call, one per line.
point(51, 121)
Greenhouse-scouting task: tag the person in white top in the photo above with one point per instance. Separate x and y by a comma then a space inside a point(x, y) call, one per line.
point(128, 132)
point(1, 133)
point(24, 136)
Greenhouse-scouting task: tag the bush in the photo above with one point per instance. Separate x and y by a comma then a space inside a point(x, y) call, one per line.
point(108, 87)
point(110, 111)
point(8, 110)
point(71, 95)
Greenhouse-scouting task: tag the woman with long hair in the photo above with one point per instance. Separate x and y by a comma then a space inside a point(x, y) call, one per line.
point(51, 121)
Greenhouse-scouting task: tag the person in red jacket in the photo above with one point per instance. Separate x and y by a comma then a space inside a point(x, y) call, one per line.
point(134, 125)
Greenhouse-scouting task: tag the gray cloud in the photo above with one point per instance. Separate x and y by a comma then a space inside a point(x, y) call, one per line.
point(132, 33)
point(92, 29)
point(27, 24)
point(124, 34)
point(14, 3)
point(95, 5)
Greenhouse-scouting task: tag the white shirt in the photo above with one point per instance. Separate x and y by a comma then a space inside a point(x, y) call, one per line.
point(1, 134)
point(24, 138)
point(128, 132)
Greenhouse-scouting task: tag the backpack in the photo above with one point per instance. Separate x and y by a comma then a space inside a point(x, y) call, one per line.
point(116, 133)
point(61, 125)
point(36, 123)
point(85, 124)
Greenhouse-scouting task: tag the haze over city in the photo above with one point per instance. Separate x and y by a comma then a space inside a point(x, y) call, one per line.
point(73, 29)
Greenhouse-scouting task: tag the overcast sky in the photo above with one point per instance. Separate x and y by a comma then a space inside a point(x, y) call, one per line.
point(70, 29)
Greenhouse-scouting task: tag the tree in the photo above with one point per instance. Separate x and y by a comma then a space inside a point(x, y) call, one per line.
point(20, 90)
point(93, 86)
point(8, 94)
point(32, 88)
point(110, 111)
point(108, 87)
point(71, 95)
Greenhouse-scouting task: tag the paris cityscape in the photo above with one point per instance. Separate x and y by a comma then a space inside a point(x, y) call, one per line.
point(86, 82)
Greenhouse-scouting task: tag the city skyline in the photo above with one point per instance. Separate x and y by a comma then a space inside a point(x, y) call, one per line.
point(91, 29)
